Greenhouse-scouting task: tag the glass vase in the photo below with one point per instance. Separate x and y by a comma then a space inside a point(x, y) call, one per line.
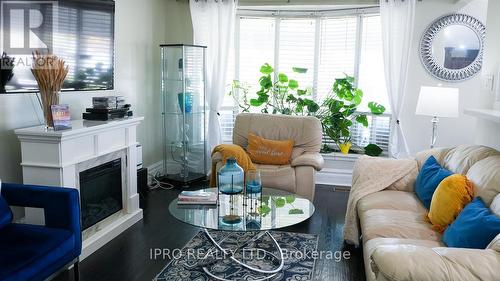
point(48, 99)
point(231, 178)
point(231, 181)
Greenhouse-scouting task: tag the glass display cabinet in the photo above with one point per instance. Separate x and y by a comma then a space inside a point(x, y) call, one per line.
point(184, 113)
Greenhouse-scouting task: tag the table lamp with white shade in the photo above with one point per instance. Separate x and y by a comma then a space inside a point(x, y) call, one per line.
point(437, 102)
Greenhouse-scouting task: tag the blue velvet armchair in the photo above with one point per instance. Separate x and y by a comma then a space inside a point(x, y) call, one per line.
point(34, 252)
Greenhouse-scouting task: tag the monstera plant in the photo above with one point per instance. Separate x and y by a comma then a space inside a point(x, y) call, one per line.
point(339, 111)
point(278, 94)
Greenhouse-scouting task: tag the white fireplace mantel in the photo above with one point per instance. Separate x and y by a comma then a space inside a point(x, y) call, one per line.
point(55, 158)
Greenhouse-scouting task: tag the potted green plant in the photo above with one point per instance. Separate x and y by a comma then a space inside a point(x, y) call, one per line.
point(339, 112)
point(278, 94)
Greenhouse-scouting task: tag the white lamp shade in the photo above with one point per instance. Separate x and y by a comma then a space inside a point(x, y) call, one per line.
point(438, 101)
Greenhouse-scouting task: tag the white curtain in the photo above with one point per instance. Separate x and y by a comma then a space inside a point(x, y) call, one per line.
point(398, 18)
point(213, 26)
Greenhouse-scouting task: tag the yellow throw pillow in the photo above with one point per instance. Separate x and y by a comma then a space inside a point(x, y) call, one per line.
point(450, 197)
point(272, 152)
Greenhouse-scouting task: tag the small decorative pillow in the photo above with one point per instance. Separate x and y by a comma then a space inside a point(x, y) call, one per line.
point(475, 227)
point(430, 176)
point(272, 152)
point(450, 197)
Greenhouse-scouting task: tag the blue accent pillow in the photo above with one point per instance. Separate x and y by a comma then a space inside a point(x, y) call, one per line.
point(428, 179)
point(5, 213)
point(474, 227)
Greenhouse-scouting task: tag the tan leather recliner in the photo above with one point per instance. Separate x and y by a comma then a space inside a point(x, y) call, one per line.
point(399, 245)
point(297, 177)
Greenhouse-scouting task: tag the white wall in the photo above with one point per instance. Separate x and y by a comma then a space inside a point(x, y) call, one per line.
point(452, 131)
point(488, 133)
point(140, 26)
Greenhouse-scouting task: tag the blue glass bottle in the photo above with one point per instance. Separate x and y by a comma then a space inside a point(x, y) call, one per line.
point(231, 177)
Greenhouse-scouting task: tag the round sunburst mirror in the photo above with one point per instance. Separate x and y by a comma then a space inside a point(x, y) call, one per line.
point(451, 48)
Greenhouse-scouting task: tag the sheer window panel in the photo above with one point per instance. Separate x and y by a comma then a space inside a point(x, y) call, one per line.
point(371, 67)
point(228, 101)
point(337, 52)
point(296, 49)
point(229, 108)
point(256, 37)
point(256, 47)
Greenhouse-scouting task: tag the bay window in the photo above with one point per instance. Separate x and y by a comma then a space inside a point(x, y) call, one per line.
point(330, 44)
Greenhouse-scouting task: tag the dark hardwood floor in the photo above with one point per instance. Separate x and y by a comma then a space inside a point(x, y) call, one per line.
point(127, 257)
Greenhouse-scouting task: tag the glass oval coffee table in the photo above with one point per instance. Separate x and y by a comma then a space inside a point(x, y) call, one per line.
point(273, 210)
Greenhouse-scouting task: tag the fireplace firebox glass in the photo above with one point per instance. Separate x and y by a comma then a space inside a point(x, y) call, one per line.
point(100, 192)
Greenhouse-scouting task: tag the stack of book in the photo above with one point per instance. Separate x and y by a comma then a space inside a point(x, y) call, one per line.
point(107, 108)
point(199, 197)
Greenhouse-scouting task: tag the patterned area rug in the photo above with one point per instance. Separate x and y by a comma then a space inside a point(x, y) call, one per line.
point(199, 252)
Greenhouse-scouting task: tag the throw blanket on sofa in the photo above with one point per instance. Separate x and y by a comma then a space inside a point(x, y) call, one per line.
point(370, 175)
point(227, 151)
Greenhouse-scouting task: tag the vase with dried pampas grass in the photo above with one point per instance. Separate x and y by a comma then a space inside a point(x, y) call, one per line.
point(50, 73)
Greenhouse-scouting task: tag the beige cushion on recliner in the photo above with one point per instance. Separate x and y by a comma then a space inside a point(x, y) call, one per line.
point(277, 176)
point(306, 132)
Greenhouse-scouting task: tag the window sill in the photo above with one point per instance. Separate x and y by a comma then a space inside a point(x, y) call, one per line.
point(334, 156)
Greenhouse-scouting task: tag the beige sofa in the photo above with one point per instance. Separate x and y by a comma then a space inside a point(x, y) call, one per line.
point(297, 177)
point(398, 245)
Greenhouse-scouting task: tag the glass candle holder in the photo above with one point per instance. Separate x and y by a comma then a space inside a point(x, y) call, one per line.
point(253, 192)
